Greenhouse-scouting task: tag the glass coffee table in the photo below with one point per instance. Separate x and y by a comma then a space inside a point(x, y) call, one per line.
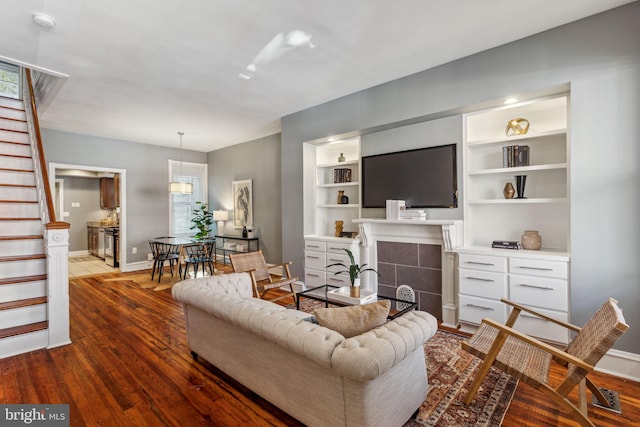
point(336, 295)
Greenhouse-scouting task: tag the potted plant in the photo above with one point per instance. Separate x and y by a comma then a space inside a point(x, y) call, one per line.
point(201, 220)
point(354, 271)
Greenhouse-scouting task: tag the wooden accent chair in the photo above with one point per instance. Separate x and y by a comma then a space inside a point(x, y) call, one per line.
point(254, 264)
point(529, 360)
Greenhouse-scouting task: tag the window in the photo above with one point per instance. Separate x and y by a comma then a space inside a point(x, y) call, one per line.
point(9, 80)
point(181, 206)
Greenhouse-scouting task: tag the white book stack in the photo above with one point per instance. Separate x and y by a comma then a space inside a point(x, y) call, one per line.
point(413, 214)
point(394, 207)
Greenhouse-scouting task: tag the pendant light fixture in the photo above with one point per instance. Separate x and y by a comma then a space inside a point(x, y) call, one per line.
point(180, 187)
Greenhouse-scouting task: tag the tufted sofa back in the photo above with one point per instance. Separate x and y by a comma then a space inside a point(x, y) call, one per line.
point(235, 285)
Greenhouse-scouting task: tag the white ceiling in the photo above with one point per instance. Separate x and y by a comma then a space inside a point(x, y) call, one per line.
point(141, 70)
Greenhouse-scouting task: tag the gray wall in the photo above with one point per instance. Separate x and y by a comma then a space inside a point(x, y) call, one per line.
point(258, 160)
point(147, 169)
point(85, 191)
point(600, 58)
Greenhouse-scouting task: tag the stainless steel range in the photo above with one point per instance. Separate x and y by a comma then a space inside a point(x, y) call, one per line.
point(111, 243)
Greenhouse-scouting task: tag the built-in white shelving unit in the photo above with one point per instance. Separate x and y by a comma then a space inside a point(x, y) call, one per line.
point(538, 278)
point(327, 209)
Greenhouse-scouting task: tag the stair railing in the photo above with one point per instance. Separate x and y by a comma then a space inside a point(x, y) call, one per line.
point(55, 233)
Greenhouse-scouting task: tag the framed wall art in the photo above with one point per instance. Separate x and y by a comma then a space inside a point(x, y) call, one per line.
point(242, 203)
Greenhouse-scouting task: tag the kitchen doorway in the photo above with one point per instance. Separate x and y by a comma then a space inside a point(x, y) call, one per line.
point(117, 245)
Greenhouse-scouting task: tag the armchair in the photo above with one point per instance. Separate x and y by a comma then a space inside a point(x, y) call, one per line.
point(529, 360)
point(254, 264)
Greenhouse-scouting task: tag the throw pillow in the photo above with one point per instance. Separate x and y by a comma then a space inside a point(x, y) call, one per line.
point(354, 320)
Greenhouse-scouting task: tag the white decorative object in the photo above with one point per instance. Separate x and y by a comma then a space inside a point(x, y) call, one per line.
point(405, 293)
point(394, 207)
point(343, 295)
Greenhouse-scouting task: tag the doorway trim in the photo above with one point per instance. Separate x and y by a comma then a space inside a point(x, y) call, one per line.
point(53, 167)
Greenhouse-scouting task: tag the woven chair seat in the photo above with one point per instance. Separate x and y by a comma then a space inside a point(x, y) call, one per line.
point(522, 360)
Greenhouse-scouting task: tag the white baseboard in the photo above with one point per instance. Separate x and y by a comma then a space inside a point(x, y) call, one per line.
point(621, 364)
point(135, 266)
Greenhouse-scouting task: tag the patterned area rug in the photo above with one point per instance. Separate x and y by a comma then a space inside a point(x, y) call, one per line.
point(451, 371)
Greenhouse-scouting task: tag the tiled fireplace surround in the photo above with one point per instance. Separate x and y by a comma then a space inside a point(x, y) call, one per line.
point(415, 253)
point(415, 264)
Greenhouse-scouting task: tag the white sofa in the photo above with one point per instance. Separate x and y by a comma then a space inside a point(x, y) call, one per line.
point(313, 373)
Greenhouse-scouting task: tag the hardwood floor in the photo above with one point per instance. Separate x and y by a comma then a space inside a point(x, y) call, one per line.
point(129, 365)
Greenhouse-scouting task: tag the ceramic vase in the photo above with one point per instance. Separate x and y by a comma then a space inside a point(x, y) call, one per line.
point(521, 180)
point(354, 289)
point(508, 191)
point(531, 240)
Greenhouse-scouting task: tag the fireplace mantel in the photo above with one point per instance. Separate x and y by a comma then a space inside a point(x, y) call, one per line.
point(447, 233)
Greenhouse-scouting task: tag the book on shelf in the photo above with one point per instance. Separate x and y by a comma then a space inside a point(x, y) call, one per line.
point(515, 156)
point(506, 244)
point(394, 207)
point(341, 175)
point(413, 214)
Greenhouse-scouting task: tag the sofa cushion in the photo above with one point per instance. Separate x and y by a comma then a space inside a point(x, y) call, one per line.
point(354, 320)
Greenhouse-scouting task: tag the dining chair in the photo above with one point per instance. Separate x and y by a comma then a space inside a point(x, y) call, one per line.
point(164, 252)
point(529, 359)
point(199, 254)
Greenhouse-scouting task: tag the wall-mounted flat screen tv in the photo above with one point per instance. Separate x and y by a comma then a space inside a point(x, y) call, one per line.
point(423, 178)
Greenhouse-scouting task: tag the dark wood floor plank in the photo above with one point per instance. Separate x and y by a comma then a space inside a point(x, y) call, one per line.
point(129, 364)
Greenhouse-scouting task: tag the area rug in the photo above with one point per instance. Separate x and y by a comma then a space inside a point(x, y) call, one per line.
point(451, 371)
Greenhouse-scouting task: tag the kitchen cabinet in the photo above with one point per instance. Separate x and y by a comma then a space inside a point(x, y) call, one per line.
point(108, 193)
point(93, 235)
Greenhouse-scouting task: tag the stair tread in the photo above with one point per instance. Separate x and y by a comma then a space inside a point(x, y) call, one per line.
point(23, 237)
point(13, 119)
point(20, 219)
point(23, 329)
point(18, 201)
point(2, 141)
point(18, 185)
point(19, 156)
point(23, 279)
point(22, 303)
point(14, 130)
point(16, 170)
point(21, 257)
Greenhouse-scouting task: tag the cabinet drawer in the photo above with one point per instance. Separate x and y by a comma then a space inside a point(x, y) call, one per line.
point(314, 260)
point(338, 247)
point(483, 283)
point(539, 267)
point(539, 291)
point(483, 262)
point(540, 328)
point(315, 245)
point(473, 310)
point(336, 258)
point(313, 278)
point(338, 280)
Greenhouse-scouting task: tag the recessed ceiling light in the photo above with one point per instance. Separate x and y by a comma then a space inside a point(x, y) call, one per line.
point(509, 101)
point(43, 20)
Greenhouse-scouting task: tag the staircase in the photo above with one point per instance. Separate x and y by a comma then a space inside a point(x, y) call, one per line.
point(23, 264)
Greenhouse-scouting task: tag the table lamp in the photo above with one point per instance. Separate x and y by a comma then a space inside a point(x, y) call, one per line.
point(220, 216)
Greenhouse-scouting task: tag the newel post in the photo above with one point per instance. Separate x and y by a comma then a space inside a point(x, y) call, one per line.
point(56, 242)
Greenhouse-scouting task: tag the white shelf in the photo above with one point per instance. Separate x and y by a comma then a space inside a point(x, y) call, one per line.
point(517, 201)
point(518, 169)
point(350, 205)
point(338, 164)
point(511, 140)
point(488, 215)
point(339, 184)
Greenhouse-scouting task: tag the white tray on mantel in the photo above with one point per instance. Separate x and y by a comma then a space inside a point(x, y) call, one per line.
point(343, 295)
